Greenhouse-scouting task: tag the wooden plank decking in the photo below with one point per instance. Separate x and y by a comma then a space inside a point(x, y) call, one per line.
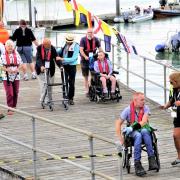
point(97, 118)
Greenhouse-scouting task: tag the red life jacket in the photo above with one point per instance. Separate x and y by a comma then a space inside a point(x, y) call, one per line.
point(132, 113)
point(88, 45)
point(8, 62)
point(43, 54)
point(106, 66)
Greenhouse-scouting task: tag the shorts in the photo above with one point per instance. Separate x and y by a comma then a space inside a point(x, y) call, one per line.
point(176, 123)
point(85, 68)
point(26, 53)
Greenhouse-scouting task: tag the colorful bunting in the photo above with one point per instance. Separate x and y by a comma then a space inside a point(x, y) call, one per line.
point(84, 16)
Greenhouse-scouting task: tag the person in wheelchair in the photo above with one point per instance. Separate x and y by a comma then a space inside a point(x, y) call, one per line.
point(136, 114)
point(103, 66)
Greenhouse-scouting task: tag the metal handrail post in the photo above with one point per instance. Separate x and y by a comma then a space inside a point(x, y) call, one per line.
point(34, 148)
point(144, 76)
point(165, 86)
point(127, 70)
point(56, 39)
point(92, 158)
point(113, 55)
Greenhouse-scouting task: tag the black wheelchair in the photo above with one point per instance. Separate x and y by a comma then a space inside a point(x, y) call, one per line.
point(128, 150)
point(96, 89)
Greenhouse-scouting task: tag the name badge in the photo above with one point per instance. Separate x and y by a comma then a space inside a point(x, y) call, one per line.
point(174, 114)
point(91, 54)
point(47, 64)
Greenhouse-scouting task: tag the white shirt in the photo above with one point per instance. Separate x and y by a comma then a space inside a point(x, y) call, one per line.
point(3, 62)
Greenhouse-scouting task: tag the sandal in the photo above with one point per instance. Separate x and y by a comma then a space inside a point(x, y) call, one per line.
point(177, 161)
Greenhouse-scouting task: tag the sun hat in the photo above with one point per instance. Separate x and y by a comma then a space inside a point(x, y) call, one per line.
point(69, 38)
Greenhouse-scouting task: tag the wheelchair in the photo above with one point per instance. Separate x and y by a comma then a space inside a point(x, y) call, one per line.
point(96, 89)
point(128, 150)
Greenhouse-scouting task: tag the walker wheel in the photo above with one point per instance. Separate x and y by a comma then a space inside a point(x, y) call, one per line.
point(42, 105)
point(51, 107)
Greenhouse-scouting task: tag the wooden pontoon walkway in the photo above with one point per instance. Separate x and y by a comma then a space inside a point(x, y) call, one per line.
point(97, 118)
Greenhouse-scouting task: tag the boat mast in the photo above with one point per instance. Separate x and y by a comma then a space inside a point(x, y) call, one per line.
point(117, 8)
point(31, 13)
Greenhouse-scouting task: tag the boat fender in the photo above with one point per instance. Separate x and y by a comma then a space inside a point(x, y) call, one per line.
point(160, 48)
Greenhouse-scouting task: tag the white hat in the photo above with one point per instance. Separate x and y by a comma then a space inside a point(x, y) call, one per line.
point(69, 38)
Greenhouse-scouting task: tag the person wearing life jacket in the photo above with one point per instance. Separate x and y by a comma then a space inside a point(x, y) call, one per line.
point(174, 102)
point(68, 55)
point(11, 63)
point(88, 47)
point(46, 57)
point(137, 114)
point(104, 67)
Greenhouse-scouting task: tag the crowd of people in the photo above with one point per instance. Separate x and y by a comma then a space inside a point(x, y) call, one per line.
point(14, 61)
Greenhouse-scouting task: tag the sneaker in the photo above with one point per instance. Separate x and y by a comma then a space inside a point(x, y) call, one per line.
point(25, 78)
point(71, 102)
point(177, 161)
point(139, 170)
point(2, 116)
point(33, 76)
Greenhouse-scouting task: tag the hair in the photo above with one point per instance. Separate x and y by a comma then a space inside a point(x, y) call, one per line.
point(9, 42)
point(175, 76)
point(136, 94)
point(22, 22)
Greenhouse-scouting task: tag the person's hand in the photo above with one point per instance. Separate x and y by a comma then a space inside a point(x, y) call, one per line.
point(58, 58)
point(177, 103)
point(86, 58)
point(162, 107)
point(42, 68)
point(9, 71)
point(128, 130)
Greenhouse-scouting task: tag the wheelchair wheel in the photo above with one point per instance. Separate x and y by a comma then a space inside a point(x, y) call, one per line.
point(91, 93)
point(156, 152)
point(126, 160)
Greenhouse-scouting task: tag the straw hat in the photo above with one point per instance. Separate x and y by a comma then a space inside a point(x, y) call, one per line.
point(69, 38)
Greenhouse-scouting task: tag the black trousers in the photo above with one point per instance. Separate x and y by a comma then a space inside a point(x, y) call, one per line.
point(70, 74)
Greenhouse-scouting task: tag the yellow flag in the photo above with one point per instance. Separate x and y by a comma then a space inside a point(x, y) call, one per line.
point(68, 5)
point(77, 18)
point(106, 29)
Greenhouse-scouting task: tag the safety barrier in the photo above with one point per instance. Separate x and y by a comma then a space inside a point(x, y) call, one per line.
point(33, 147)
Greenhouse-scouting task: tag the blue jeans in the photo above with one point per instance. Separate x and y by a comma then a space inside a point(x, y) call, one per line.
point(138, 137)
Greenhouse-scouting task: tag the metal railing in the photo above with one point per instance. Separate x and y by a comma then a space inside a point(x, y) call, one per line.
point(34, 149)
point(129, 60)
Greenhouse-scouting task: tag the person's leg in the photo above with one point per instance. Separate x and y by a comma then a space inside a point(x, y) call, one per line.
point(9, 95)
point(24, 65)
point(15, 92)
point(72, 75)
point(103, 80)
point(139, 170)
point(113, 84)
point(148, 142)
point(85, 74)
point(176, 136)
point(41, 80)
point(28, 55)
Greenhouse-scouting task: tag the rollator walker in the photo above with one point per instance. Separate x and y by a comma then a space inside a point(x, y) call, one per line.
point(48, 90)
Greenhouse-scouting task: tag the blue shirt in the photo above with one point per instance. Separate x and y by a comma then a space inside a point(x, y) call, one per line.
point(126, 113)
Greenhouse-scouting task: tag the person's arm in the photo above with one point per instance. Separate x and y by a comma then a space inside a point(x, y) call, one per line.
point(110, 68)
point(39, 60)
point(36, 42)
point(82, 45)
point(118, 125)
